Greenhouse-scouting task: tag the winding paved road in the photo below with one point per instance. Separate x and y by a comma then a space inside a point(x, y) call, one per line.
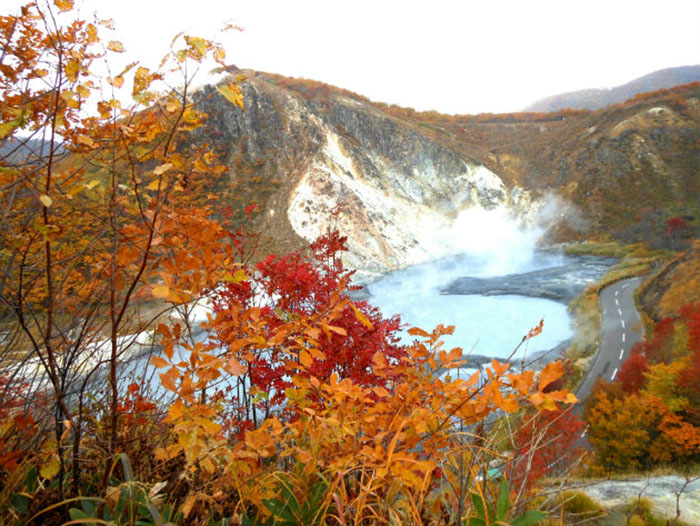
point(620, 330)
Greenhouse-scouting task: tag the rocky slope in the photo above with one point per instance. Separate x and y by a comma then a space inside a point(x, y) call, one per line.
point(666, 494)
point(622, 170)
point(301, 148)
point(395, 185)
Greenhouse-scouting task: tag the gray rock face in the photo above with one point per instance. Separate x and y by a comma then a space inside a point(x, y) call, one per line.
point(395, 185)
point(661, 491)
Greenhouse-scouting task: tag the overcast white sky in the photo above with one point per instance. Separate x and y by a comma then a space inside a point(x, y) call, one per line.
point(455, 56)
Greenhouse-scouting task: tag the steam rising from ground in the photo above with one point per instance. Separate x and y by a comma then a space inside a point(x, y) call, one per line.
point(478, 243)
point(497, 242)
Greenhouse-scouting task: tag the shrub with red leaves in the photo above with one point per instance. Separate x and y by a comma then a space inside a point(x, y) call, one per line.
point(304, 282)
point(546, 443)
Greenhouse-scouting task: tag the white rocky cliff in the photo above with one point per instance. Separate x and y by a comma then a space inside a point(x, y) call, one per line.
point(397, 188)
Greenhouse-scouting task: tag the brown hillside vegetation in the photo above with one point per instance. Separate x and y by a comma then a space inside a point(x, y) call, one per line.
point(594, 99)
point(613, 163)
point(675, 284)
point(627, 168)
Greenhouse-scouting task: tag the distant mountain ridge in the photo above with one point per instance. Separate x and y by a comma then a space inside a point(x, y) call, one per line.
point(594, 99)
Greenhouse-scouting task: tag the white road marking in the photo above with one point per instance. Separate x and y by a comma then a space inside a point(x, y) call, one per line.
point(623, 337)
point(620, 311)
point(584, 432)
point(625, 285)
point(614, 374)
point(617, 292)
point(616, 302)
point(622, 352)
point(623, 323)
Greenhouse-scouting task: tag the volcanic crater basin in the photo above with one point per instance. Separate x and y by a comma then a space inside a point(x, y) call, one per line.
point(492, 303)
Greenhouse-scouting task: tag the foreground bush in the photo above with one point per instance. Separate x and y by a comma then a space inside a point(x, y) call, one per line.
point(290, 404)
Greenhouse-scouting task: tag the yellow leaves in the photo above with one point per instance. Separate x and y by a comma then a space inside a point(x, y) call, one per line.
point(154, 185)
point(261, 441)
point(167, 293)
point(92, 36)
point(176, 410)
point(6, 128)
point(232, 92)
point(105, 109)
point(63, 5)
point(237, 277)
point(117, 81)
point(72, 69)
point(91, 184)
point(570, 398)
point(337, 330)
point(142, 80)
point(69, 96)
point(219, 55)
point(83, 90)
point(46, 200)
point(160, 170)
point(85, 141)
point(106, 22)
point(198, 48)
point(542, 401)
point(173, 105)
point(116, 46)
point(209, 426)
point(361, 317)
point(305, 358)
point(161, 291)
point(200, 44)
point(51, 468)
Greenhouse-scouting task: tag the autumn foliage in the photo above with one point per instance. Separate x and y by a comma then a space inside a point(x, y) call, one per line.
point(302, 283)
point(654, 400)
point(547, 443)
point(288, 401)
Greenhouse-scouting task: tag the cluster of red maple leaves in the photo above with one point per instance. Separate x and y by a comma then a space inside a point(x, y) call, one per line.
point(305, 282)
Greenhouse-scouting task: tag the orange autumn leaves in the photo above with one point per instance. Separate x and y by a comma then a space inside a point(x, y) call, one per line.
point(650, 415)
point(341, 425)
point(117, 214)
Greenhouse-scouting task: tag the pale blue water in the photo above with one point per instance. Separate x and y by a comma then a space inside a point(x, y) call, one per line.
point(485, 325)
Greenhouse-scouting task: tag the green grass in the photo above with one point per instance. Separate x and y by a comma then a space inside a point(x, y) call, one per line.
point(610, 249)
